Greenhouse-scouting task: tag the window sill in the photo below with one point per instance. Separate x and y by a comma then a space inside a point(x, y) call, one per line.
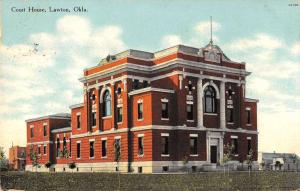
point(248, 124)
point(78, 129)
point(93, 127)
point(141, 119)
point(45, 154)
point(104, 157)
point(164, 119)
point(236, 155)
point(194, 155)
point(211, 114)
point(119, 123)
point(230, 123)
point(191, 121)
point(141, 155)
point(107, 117)
point(165, 155)
point(78, 158)
point(92, 157)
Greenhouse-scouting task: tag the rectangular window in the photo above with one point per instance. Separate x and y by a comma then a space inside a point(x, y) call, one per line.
point(91, 149)
point(193, 145)
point(31, 132)
point(45, 149)
point(164, 110)
point(230, 115)
point(189, 110)
point(140, 110)
point(248, 114)
point(39, 150)
point(45, 130)
point(78, 150)
point(94, 118)
point(104, 148)
point(141, 145)
point(78, 121)
point(249, 146)
point(164, 145)
point(234, 143)
point(119, 114)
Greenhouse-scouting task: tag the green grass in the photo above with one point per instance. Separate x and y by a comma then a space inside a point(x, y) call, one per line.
point(110, 181)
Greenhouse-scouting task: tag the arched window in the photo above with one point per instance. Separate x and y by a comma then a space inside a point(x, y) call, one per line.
point(57, 147)
point(209, 100)
point(106, 103)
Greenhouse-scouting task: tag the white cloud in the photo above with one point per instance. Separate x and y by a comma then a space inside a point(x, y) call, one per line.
point(204, 27)
point(200, 35)
point(279, 131)
point(295, 49)
point(260, 40)
point(43, 79)
point(171, 40)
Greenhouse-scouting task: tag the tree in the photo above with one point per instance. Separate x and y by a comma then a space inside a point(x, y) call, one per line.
point(185, 161)
point(3, 160)
point(72, 165)
point(227, 154)
point(64, 153)
point(117, 148)
point(34, 158)
point(249, 159)
point(263, 164)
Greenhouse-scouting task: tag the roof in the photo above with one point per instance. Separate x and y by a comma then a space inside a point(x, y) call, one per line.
point(60, 130)
point(76, 105)
point(177, 48)
point(271, 156)
point(53, 116)
point(251, 100)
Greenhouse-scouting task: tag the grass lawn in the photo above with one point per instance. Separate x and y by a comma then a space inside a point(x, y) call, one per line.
point(112, 181)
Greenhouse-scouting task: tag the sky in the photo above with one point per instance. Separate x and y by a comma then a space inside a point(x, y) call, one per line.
point(42, 79)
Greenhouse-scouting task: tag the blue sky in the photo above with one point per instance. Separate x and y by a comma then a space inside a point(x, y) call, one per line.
point(264, 34)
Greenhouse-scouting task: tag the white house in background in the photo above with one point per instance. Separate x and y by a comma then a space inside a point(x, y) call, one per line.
point(279, 161)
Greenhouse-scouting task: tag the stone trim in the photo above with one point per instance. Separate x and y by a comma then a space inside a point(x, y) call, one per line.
point(186, 128)
point(100, 133)
point(41, 142)
point(143, 90)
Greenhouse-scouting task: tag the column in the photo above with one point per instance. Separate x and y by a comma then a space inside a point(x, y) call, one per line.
point(87, 97)
point(199, 103)
point(208, 146)
point(222, 105)
point(98, 109)
point(113, 105)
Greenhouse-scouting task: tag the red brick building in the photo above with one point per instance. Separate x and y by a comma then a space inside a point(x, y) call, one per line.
point(17, 157)
point(152, 111)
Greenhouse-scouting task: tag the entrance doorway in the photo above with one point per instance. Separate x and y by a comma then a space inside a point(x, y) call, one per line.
point(213, 154)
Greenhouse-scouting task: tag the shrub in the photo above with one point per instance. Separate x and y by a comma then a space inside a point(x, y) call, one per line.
point(72, 165)
point(48, 164)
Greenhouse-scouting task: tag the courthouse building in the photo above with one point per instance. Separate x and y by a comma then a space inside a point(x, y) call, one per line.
point(150, 112)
